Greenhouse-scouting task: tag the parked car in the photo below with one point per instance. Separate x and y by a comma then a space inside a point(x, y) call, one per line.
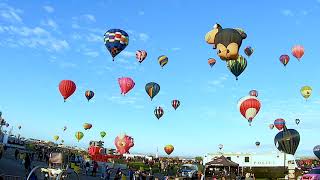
point(189, 170)
point(313, 174)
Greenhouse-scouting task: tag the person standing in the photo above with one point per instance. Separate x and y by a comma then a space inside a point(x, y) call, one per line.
point(94, 169)
point(27, 163)
point(87, 166)
point(16, 154)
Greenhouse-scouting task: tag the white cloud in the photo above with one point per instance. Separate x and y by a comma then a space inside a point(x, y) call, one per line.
point(176, 49)
point(217, 83)
point(123, 99)
point(287, 12)
point(91, 53)
point(128, 54)
point(51, 23)
point(33, 38)
point(49, 9)
point(144, 37)
point(94, 38)
point(90, 17)
point(67, 65)
point(141, 13)
point(10, 14)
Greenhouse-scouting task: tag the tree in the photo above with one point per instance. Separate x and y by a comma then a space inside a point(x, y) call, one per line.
point(198, 158)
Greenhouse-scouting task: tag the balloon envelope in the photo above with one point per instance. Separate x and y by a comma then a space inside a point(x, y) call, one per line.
point(298, 51)
point(103, 134)
point(158, 112)
point(123, 143)
point(248, 51)
point(253, 93)
point(284, 59)
point(287, 140)
point(175, 104)
point(56, 138)
point(306, 91)
point(168, 149)
point(115, 41)
point(316, 151)
point(67, 88)
point(249, 106)
point(79, 135)
point(211, 61)
point(87, 126)
point(237, 66)
point(126, 84)
point(163, 60)
point(279, 123)
point(141, 55)
point(152, 89)
point(89, 94)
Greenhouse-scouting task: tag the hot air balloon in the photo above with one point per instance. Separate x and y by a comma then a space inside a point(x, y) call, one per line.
point(141, 55)
point(248, 51)
point(126, 84)
point(211, 62)
point(316, 151)
point(79, 135)
point(306, 91)
point(115, 41)
point(123, 143)
point(175, 104)
point(298, 51)
point(87, 126)
point(67, 88)
point(249, 107)
point(89, 95)
point(163, 60)
point(287, 140)
point(284, 59)
point(279, 123)
point(220, 146)
point(62, 141)
point(152, 89)
point(271, 126)
point(237, 66)
point(103, 134)
point(19, 127)
point(56, 138)
point(253, 93)
point(168, 149)
point(297, 121)
point(7, 124)
point(0, 113)
point(158, 112)
point(64, 128)
point(257, 143)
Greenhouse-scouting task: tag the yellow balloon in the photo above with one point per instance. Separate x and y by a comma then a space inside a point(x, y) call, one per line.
point(306, 91)
point(56, 138)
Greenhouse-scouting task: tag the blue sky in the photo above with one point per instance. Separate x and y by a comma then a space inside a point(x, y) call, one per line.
point(43, 42)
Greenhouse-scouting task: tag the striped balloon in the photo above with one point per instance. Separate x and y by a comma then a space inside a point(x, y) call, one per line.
point(163, 60)
point(158, 112)
point(152, 89)
point(175, 104)
point(141, 55)
point(284, 59)
point(298, 51)
point(79, 135)
point(237, 66)
point(115, 41)
point(279, 123)
point(211, 62)
point(249, 107)
point(89, 94)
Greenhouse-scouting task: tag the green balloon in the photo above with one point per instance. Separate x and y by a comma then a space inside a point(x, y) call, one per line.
point(237, 66)
point(103, 134)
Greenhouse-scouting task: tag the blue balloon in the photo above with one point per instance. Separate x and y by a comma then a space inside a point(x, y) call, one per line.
point(316, 151)
point(115, 41)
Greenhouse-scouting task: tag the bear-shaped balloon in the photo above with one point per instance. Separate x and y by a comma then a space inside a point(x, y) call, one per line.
point(227, 41)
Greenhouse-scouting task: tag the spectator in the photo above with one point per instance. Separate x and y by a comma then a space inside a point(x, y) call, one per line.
point(87, 166)
point(130, 174)
point(94, 169)
point(108, 173)
point(27, 163)
point(16, 153)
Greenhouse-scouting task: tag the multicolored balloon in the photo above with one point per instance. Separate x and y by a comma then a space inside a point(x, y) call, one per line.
point(248, 51)
point(163, 60)
point(79, 135)
point(123, 143)
point(152, 89)
point(56, 138)
point(126, 84)
point(249, 107)
point(103, 134)
point(287, 140)
point(211, 62)
point(168, 149)
point(87, 126)
point(175, 104)
point(141, 55)
point(158, 112)
point(237, 66)
point(253, 93)
point(284, 59)
point(306, 91)
point(298, 51)
point(279, 123)
point(89, 95)
point(67, 88)
point(115, 41)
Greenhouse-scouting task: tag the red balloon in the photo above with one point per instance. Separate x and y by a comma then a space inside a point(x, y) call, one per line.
point(253, 93)
point(123, 143)
point(67, 88)
point(249, 107)
point(298, 51)
point(126, 84)
point(279, 123)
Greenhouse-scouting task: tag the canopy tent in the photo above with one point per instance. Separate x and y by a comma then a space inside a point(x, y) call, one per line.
point(221, 167)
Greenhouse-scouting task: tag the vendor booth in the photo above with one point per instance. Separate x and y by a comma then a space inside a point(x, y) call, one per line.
point(221, 167)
